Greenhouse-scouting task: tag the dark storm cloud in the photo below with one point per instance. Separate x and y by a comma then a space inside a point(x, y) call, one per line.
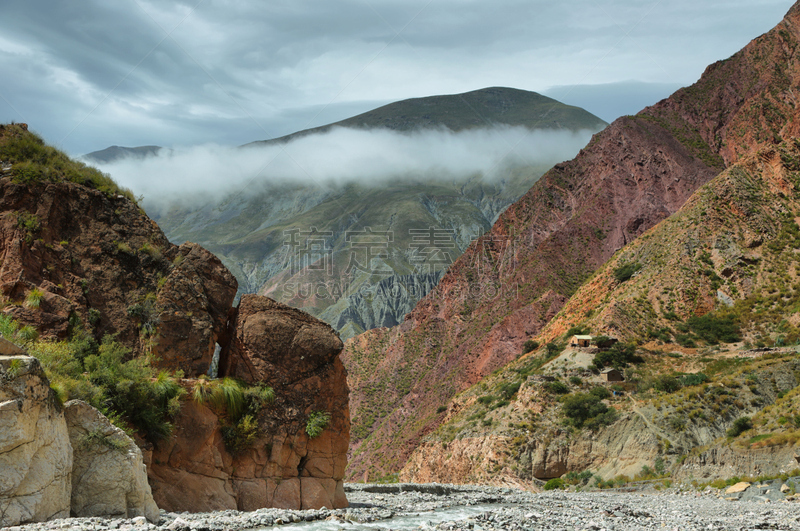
point(133, 72)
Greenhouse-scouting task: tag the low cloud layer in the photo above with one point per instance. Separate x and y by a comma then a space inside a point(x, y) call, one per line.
point(342, 155)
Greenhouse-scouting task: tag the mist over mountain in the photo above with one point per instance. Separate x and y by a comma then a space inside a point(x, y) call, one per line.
point(446, 165)
point(335, 157)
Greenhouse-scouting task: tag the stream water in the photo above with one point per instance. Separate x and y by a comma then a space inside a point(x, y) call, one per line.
point(407, 521)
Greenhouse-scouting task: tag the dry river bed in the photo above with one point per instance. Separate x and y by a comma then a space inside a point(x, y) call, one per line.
point(449, 507)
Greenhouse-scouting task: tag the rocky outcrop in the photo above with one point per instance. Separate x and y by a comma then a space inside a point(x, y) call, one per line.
point(193, 307)
point(297, 355)
point(73, 255)
point(35, 451)
point(108, 474)
point(723, 462)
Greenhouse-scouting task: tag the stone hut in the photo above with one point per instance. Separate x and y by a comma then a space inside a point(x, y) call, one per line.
point(611, 375)
point(580, 341)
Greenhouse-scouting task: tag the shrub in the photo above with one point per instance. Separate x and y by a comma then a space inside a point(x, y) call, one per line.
point(529, 346)
point(714, 329)
point(441, 409)
point(557, 387)
point(600, 392)
point(34, 298)
point(555, 483)
point(575, 380)
point(553, 350)
point(507, 390)
point(241, 435)
point(618, 356)
point(740, 425)
point(317, 421)
point(583, 407)
point(626, 271)
point(667, 383)
point(693, 379)
point(577, 330)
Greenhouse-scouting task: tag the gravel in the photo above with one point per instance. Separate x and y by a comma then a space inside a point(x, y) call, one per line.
point(476, 508)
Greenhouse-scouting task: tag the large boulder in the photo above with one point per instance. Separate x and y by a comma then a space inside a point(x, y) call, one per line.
point(193, 304)
point(108, 474)
point(277, 344)
point(298, 356)
point(35, 452)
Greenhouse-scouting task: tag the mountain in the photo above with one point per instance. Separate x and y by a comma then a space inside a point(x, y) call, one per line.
point(418, 222)
point(457, 112)
point(512, 281)
point(697, 292)
point(113, 153)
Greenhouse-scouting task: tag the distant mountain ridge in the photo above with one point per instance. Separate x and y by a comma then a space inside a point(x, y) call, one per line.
point(486, 107)
point(248, 230)
point(113, 153)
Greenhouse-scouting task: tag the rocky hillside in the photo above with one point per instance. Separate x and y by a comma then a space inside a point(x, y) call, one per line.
point(265, 236)
point(134, 325)
point(721, 270)
point(511, 282)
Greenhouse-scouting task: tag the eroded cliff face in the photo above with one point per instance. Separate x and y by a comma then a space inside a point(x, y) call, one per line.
point(512, 281)
point(512, 449)
point(296, 355)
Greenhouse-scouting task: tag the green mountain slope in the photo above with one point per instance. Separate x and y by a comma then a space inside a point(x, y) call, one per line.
point(479, 108)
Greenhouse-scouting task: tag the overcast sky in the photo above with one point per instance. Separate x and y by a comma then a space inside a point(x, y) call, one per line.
point(95, 73)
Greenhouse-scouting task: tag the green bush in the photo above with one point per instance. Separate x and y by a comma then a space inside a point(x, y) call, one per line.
point(575, 380)
point(241, 435)
point(740, 425)
point(714, 329)
point(553, 484)
point(600, 392)
point(34, 298)
point(667, 383)
point(626, 271)
point(529, 346)
point(317, 422)
point(577, 330)
point(618, 356)
point(553, 350)
point(557, 387)
point(581, 408)
point(693, 379)
point(509, 389)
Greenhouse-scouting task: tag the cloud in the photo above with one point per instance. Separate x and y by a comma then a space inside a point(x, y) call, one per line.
point(340, 156)
point(91, 74)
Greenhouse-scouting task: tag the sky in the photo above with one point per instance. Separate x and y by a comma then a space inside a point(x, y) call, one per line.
point(90, 74)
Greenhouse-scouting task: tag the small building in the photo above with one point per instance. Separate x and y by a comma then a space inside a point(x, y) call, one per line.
point(611, 375)
point(580, 341)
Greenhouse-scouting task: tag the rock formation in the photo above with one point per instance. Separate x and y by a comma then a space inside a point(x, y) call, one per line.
point(35, 452)
point(108, 474)
point(193, 307)
point(79, 256)
point(297, 355)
